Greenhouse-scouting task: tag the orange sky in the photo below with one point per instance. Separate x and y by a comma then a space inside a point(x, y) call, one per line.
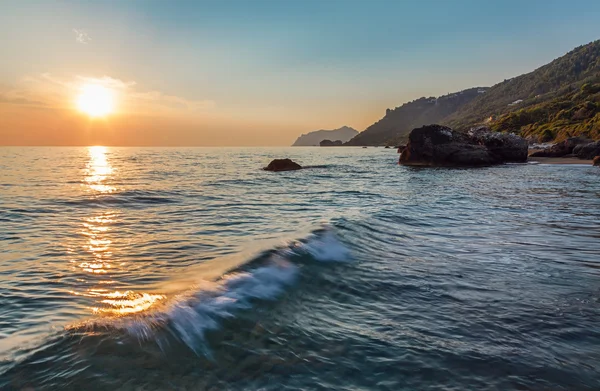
point(257, 73)
point(54, 127)
point(43, 110)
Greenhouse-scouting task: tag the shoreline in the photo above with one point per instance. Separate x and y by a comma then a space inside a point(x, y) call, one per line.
point(559, 160)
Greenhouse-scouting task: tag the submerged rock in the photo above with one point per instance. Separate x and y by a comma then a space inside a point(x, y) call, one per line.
point(596, 161)
point(437, 145)
point(282, 165)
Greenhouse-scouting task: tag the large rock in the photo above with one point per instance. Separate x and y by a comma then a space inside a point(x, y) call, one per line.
point(561, 149)
point(507, 147)
point(282, 165)
point(436, 145)
point(596, 161)
point(587, 151)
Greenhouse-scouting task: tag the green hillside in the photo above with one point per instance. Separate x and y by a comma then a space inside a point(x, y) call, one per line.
point(554, 101)
point(573, 113)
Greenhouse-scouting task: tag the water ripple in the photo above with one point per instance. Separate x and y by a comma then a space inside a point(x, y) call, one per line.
point(192, 268)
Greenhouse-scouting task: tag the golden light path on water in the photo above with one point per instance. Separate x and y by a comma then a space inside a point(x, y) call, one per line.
point(100, 261)
point(98, 170)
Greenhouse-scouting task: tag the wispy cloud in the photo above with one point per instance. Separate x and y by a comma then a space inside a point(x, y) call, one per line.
point(9, 97)
point(60, 92)
point(81, 36)
point(173, 102)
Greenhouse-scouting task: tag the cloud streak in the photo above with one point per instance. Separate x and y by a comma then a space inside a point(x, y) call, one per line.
point(59, 92)
point(16, 100)
point(81, 36)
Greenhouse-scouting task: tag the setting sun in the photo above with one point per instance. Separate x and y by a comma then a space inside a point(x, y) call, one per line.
point(95, 100)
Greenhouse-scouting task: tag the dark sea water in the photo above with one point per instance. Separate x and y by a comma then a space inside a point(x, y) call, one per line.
point(192, 269)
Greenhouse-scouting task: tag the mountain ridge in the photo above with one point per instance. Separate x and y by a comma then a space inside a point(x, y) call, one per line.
point(397, 123)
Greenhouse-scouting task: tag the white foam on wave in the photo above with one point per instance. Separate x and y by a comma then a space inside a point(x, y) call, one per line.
point(189, 318)
point(326, 247)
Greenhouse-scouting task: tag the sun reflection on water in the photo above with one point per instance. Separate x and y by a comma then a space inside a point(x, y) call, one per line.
point(129, 302)
point(98, 170)
point(96, 259)
point(98, 245)
point(121, 303)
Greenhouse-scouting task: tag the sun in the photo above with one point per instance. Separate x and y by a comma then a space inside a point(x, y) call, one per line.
point(95, 100)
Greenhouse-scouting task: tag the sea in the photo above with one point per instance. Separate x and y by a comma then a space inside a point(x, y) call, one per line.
point(194, 269)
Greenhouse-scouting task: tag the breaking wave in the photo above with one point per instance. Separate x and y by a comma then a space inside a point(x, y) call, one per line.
point(189, 315)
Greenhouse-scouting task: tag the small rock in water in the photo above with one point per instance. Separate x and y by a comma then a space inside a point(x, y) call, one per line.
point(596, 161)
point(282, 165)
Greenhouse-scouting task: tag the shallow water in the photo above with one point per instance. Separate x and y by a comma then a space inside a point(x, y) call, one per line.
point(192, 269)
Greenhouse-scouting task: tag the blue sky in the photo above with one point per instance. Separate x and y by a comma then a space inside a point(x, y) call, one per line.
point(293, 64)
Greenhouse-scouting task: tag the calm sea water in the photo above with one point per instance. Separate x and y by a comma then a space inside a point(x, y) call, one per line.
point(192, 269)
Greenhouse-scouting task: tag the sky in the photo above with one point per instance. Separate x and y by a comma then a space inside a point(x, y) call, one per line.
point(257, 73)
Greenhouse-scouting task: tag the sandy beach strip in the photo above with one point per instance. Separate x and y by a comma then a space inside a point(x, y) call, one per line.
point(559, 160)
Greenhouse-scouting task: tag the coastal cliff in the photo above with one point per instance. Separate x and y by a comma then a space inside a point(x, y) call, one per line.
point(395, 126)
point(554, 102)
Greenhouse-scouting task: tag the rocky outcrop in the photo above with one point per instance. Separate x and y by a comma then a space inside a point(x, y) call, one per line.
point(572, 147)
point(282, 165)
point(561, 149)
point(329, 143)
point(596, 161)
point(436, 145)
point(507, 147)
point(587, 151)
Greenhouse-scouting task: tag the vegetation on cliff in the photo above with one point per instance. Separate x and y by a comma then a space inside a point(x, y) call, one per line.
point(555, 101)
point(558, 100)
point(575, 113)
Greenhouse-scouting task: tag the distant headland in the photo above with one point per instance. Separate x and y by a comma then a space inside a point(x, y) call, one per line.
point(311, 139)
